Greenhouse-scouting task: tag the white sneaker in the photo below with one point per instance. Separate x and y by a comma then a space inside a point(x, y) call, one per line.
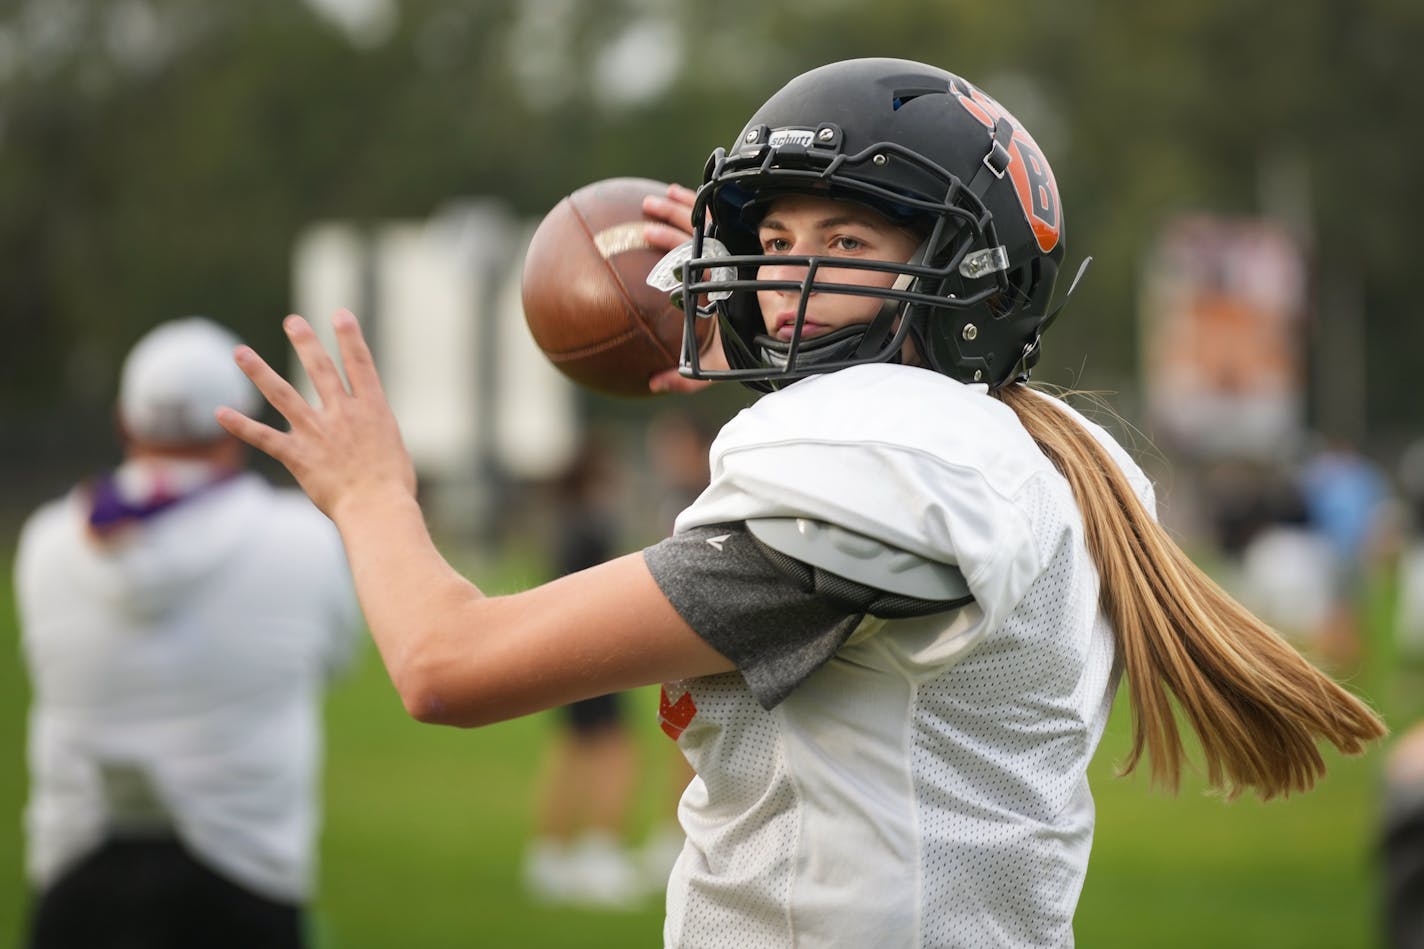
point(548, 871)
point(602, 874)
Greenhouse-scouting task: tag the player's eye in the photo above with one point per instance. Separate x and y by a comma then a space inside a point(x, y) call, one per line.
point(775, 245)
point(847, 244)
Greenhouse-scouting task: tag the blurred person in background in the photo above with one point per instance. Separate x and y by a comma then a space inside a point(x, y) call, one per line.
point(580, 852)
point(678, 443)
point(1409, 629)
point(1402, 846)
point(179, 619)
point(1286, 568)
point(1347, 501)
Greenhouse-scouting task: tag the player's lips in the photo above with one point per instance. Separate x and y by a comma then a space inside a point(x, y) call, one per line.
point(786, 327)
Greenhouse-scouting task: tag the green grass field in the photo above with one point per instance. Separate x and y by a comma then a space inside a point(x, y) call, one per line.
point(425, 826)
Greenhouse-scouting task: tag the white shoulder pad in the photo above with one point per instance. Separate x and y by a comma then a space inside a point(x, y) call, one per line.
point(860, 558)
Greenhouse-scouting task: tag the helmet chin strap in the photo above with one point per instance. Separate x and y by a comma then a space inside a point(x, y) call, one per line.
point(832, 347)
point(878, 331)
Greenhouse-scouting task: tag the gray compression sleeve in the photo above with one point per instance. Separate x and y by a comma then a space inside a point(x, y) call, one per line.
point(744, 607)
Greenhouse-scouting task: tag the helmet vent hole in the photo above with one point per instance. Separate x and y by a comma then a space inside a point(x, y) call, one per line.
point(903, 97)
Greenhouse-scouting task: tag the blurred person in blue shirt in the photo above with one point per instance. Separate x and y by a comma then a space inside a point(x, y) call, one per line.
point(1347, 501)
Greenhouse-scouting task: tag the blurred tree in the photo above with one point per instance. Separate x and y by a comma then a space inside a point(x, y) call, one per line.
point(158, 157)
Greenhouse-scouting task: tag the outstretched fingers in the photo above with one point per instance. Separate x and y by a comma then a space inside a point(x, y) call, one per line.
point(355, 354)
point(341, 445)
point(276, 390)
point(317, 362)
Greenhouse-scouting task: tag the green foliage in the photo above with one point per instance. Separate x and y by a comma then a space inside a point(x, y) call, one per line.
point(135, 188)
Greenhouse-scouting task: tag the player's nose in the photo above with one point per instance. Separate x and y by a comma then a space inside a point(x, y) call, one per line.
point(784, 271)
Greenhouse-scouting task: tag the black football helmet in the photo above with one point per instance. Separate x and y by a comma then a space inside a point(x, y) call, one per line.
point(926, 149)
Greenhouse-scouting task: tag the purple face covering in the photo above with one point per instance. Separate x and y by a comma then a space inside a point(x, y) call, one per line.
point(109, 510)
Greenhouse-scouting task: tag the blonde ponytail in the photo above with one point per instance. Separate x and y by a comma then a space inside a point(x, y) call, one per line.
point(1257, 706)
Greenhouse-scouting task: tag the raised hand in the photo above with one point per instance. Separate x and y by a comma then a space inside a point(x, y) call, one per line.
point(344, 451)
point(672, 217)
point(672, 227)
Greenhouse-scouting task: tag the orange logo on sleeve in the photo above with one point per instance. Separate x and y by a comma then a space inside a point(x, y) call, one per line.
point(675, 716)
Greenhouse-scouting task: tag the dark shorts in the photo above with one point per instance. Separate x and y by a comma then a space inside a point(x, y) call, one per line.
point(152, 894)
point(595, 714)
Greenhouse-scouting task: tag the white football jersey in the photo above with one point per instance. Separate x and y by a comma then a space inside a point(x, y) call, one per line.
point(927, 785)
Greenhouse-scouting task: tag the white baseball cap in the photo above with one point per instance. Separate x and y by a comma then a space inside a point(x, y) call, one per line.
point(176, 376)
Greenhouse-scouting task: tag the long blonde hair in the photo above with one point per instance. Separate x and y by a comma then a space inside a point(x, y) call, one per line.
point(1256, 704)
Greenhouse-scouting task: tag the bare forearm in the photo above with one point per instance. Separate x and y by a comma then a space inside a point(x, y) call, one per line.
point(415, 602)
point(455, 656)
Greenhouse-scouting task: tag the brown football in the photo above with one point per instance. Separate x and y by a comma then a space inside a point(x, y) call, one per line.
point(585, 294)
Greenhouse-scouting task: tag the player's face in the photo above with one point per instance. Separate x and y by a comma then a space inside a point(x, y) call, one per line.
point(810, 226)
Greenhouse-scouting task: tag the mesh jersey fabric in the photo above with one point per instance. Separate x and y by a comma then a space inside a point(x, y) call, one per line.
point(926, 786)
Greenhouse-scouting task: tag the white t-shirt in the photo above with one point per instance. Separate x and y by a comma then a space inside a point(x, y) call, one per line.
point(177, 670)
point(926, 786)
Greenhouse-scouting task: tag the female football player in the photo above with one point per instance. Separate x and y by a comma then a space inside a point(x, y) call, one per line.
point(891, 629)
